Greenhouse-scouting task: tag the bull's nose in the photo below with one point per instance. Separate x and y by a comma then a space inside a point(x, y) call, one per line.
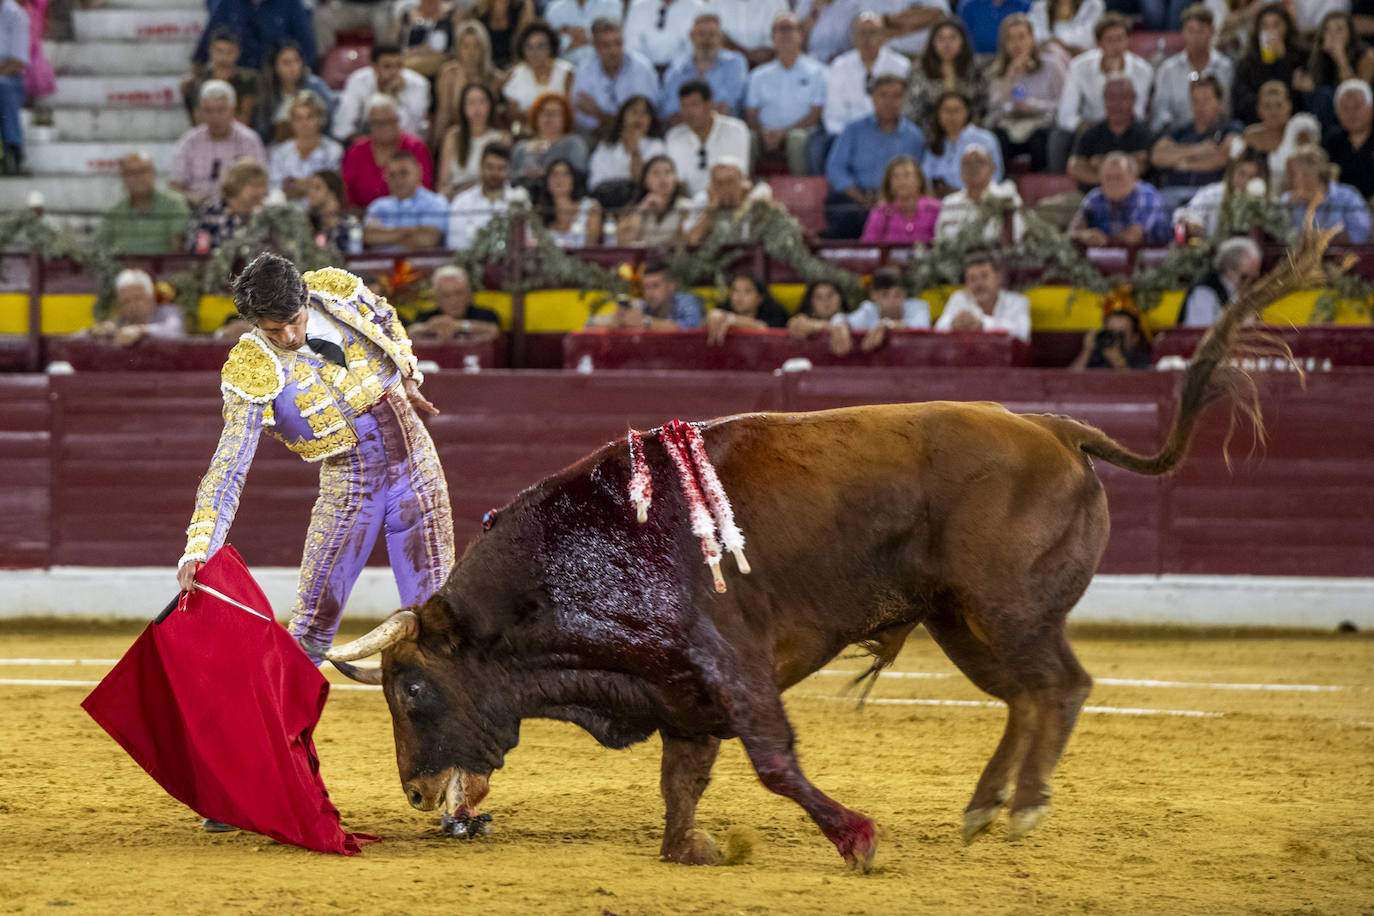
point(416, 798)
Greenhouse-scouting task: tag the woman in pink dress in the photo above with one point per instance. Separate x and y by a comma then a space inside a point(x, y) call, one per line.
point(904, 213)
point(38, 76)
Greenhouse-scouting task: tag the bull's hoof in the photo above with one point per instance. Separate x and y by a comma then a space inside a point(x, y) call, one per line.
point(859, 844)
point(1025, 820)
point(978, 820)
point(697, 849)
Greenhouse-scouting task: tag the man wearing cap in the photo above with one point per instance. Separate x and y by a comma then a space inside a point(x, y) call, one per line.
point(1350, 144)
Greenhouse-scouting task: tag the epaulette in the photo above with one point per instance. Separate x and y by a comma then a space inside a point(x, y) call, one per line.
point(253, 371)
point(333, 281)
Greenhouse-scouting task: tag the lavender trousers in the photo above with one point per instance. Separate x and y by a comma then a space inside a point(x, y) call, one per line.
point(391, 483)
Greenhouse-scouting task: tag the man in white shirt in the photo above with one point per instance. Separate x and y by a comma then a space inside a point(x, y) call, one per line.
point(1169, 107)
point(1081, 102)
point(572, 20)
point(748, 26)
point(964, 206)
point(387, 76)
point(848, 80)
point(658, 29)
point(475, 207)
point(703, 137)
point(783, 102)
point(983, 305)
point(910, 22)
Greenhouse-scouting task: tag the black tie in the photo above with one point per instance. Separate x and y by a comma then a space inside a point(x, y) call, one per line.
point(328, 349)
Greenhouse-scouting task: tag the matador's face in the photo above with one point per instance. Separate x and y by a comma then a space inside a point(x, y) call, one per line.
point(289, 334)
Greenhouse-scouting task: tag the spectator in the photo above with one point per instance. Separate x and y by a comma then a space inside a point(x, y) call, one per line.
point(849, 80)
point(539, 72)
point(1196, 153)
point(573, 19)
point(408, 89)
point(726, 71)
point(325, 194)
point(1272, 53)
point(704, 137)
point(14, 59)
point(828, 26)
point(861, 153)
point(242, 192)
point(423, 31)
point(785, 97)
point(1118, 344)
point(945, 66)
point(471, 65)
point(1065, 27)
point(364, 163)
point(887, 308)
point(722, 199)
point(1301, 130)
point(657, 30)
point(39, 78)
point(1275, 108)
point(307, 152)
point(602, 84)
point(748, 26)
point(475, 207)
point(660, 207)
point(1348, 144)
point(572, 216)
point(550, 137)
point(965, 205)
point(618, 162)
point(951, 134)
point(1123, 210)
point(146, 221)
point(1338, 54)
point(503, 20)
point(983, 304)
point(284, 78)
point(204, 153)
point(259, 25)
point(224, 65)
point(663, 308)
point(1235, 266)
point(411, 216)
point(335, 16)
point(460, 155)
point(1082, 102)
point(1170, 106)
point(1313, 186)
point(137, 314)
point(1023, 93)
point(822, 311)
point(751, 307)
point(1203, 212)
point(905, 212)
point(983, 20)
point(1119, 132)
point(910, 23)
point(454, 316)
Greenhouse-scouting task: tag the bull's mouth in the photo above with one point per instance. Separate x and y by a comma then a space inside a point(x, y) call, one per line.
point(459, 791)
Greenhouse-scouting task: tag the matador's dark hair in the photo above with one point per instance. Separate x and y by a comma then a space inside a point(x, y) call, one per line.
point(269, 287)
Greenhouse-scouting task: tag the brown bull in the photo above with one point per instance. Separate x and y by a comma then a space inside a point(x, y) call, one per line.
point(862, 523)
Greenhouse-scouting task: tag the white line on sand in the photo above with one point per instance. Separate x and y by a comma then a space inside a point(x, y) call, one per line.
point(1105, 710)
point(59, 662)
point(1119, 682)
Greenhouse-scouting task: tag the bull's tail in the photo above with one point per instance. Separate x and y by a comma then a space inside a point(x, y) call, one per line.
point(1215, 372)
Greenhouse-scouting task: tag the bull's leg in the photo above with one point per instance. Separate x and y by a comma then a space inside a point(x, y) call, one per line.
point(978, 662)
point(686, 772)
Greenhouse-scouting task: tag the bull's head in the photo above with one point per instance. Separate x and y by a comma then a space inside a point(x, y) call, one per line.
point(448, 737)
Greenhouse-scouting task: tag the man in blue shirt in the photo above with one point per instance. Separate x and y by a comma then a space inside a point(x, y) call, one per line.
point(860, 155)
point(725, 71)
point(1123, 210)
point(983, 18)
point(14, 57)
point(785, 97)
point(412, 216)
point(1309, 170)
point(1195, 153)
point(260, 26)
point(602, 83)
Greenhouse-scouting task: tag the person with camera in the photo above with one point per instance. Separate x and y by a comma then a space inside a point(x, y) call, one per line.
point(1119, 344)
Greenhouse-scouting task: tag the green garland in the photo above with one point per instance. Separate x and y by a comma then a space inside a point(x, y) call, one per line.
point(51, 242)
point(543, 265)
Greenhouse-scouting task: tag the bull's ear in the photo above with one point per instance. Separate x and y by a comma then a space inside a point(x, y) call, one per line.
point(367, 675)
point(439, 625)
point(402, 625)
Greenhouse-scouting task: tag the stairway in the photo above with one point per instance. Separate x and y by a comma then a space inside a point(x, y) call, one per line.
point(118, 90)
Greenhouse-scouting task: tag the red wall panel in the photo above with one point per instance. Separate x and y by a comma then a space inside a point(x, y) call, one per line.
point(26, 459)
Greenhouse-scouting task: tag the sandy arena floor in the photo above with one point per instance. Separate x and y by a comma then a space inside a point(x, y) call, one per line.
point(1257, 800)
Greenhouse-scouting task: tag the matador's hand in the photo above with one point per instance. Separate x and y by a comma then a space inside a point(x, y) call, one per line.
point(418, 400)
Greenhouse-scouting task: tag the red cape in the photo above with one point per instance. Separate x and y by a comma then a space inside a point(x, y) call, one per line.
point(219, 706)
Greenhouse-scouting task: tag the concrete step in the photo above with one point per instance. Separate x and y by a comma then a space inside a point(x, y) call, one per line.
point(119, 58)
point(128, 125)
point(57, 158)
point(139, 25)
point(116, 92)
point(88, 194)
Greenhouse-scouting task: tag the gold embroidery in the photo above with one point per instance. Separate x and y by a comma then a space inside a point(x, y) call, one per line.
point(332, 281)
point(252, 371)
point(326, 447)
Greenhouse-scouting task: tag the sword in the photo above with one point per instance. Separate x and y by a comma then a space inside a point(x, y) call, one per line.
point(213, 593)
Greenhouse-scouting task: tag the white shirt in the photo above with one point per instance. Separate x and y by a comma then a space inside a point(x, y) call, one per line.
point(1309, 13)
point(728, 137)
point(956, 210)
point(915, 315)
point(661, 46)
point(469, 212)
point(1082, 99)
point(316, 325)
point(846, 95)
point(563, 14)
point(1204, 306)
point(412, 102)
point(1170, 105)
point(286, 162)
point(1077, 32)
point(1010, 314)
point(749, 23)
point(1204, 208)
point(912, 43)
point(522, 88)
point(611, 161)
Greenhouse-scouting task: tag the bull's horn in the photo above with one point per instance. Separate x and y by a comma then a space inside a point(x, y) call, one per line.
point(399, 626)
point(371, 676)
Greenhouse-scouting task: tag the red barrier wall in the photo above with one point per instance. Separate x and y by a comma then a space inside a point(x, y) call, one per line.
point(101, 468)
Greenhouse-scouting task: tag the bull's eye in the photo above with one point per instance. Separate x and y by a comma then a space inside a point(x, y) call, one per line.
point(413, 689)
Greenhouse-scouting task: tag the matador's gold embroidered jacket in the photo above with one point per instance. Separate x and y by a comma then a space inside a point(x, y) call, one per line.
point(306, 402)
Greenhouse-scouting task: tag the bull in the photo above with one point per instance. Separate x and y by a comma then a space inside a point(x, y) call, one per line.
point(863, 523)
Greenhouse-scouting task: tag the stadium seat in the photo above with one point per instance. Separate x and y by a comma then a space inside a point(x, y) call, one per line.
point(1152, 45)
point(804, 198)
point(341, 61)
point(1036, 186)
